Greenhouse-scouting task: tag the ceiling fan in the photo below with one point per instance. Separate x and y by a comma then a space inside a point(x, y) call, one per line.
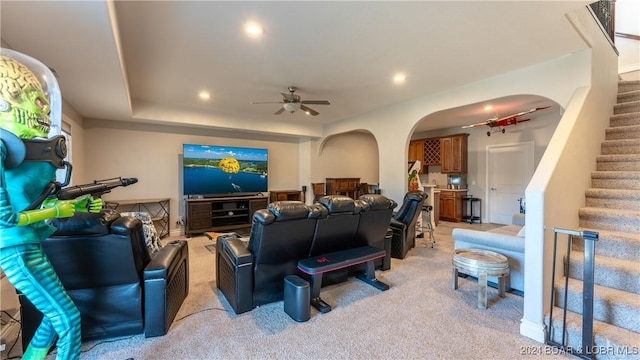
point(291, 102)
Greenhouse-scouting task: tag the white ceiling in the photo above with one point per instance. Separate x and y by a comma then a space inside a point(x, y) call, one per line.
point(147, 60)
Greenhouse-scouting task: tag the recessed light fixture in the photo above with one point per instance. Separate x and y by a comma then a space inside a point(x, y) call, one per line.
point(399, 78)
point(488, 108)
point(204, 95)
point(253, 29)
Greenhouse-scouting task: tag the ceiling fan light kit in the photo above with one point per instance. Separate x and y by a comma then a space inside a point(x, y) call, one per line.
point(291, 106)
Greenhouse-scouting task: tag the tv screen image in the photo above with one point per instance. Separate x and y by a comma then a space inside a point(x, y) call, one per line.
point(224, 170)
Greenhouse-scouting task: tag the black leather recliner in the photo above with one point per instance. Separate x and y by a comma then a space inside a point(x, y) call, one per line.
point(104, 264)
point(373, 228)
point(404, 222)
point(335, 230)
point(252, 274)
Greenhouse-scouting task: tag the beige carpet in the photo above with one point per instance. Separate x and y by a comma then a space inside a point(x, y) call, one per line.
point(419, 317)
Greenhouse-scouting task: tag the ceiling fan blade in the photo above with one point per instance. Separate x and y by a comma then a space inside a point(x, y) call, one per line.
point(266, 102)
point(309, 110)
point(316, 102)
point(280, 111)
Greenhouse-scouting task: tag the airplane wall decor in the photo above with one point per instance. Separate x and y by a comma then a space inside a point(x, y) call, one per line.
point(497, 124)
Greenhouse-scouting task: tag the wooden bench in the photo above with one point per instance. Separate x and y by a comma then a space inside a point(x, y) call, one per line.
point(318, 265)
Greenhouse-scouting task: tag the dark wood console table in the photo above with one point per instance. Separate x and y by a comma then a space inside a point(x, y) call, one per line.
point(343, 186)
point(282, 195)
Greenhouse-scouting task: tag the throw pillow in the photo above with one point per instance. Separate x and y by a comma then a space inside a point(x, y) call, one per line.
point(150, 234)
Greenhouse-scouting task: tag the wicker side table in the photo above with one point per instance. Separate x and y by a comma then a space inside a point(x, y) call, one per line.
point(480, 263)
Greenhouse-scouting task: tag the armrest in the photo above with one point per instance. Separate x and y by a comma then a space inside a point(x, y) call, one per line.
point(488, 240)
point(164, 264)
point(166, 285)
point(234, 273)
point(396, 225)
point(235, 250)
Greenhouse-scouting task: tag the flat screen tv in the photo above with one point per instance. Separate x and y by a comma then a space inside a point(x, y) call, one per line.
point(210, 170)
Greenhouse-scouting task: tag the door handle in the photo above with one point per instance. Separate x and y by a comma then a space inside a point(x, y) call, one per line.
point(493, 188)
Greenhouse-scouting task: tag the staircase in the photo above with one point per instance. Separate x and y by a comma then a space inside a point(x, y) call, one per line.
point(612, 209)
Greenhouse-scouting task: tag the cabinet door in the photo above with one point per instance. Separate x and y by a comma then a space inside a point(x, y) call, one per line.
point(453, 154)
point(446, 154)
point(416, 150)
point(199, 215)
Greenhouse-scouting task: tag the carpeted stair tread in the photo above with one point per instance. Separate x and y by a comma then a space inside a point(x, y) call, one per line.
point(627, 220)
point(613, 198)
point(623, 132)
point(624, 119)
point(613, 306)
point(613, 342)
point(616, 244)
point(620, 146)
point(627, 107)
point(618, 162)
point(615, 179)
point(614, 273)
point(633, 95)
point(628, 85)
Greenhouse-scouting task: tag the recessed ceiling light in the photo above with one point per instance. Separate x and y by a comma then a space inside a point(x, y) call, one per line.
point(399, 78)
point(204, 95)
point(488, 107)
point(253, 29)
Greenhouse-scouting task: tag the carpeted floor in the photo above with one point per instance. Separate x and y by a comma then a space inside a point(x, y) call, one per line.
point(419, 317)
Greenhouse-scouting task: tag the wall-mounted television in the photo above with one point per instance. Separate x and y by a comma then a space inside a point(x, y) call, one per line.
point(210, 170)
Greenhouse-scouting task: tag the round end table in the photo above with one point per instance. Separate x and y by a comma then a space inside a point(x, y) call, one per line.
point(481, 264)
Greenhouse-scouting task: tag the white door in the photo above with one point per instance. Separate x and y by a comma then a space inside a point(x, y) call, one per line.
point(509, 170)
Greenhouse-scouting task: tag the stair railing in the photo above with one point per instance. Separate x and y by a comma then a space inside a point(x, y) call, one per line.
point(604, 11)
point(586, 350)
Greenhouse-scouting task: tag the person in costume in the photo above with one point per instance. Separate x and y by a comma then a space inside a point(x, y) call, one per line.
point(30, 113)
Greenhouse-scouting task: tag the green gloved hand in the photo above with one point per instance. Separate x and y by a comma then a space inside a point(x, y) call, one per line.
point(89, 203)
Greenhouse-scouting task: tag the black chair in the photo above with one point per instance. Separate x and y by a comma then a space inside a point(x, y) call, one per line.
point(105, 266)
point(335, 230)
point(252, 274)
point(373, 228)
point(404, 222)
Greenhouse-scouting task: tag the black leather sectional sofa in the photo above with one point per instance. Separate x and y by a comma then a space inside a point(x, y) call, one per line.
point(252, 273)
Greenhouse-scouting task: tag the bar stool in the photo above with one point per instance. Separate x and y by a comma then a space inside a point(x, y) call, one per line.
point(429, 226)
point(469, 216)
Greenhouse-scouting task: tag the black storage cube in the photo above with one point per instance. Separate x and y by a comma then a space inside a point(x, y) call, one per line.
point(297, 298)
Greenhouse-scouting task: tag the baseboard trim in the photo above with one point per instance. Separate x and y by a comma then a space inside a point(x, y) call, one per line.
point(535, 331)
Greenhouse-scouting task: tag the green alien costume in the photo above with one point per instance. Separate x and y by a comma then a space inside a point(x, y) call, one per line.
point(27, 88)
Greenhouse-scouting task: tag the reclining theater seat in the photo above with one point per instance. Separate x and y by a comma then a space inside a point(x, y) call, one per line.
point(404, 222)
point(335, 230)
point(373, 227)
point(252, 274)
point(104, 264)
